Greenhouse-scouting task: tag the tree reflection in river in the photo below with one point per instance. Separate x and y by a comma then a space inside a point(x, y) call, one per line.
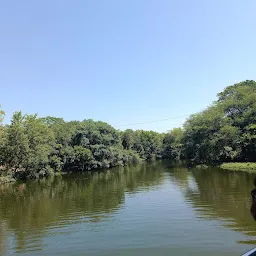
point(29, 210)
point(253, 207)
point(220, 195)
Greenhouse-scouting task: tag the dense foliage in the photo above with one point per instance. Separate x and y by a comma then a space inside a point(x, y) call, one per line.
point(34, 147)
point(225, 131)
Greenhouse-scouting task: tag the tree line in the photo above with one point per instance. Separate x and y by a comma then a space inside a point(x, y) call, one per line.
point(226, 130)
point(31, 146)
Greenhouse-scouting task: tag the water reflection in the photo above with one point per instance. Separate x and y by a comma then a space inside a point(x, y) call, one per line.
point(29, 210)
point(32, 212)
point(253, 210)
point(253, 207)
point(219, 195)
point(3, 238)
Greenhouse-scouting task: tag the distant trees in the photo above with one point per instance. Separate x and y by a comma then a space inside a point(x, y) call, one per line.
point(34, 147)
point(225, 131)
point(173, 144)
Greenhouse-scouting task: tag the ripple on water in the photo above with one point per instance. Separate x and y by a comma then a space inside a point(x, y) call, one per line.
point(142, 211)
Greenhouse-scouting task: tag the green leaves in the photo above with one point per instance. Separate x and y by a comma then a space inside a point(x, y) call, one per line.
point(83, 158)
point(27, 144)
point(173, 144)
point(2, 114)
point(224, 131)
point(16, 143)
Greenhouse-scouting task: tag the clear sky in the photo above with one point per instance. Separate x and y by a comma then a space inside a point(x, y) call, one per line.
point(123, 61)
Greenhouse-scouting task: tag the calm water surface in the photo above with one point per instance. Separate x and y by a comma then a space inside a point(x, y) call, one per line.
point(149, 209)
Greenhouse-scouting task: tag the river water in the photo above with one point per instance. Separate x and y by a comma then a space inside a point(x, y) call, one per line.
point(158, 208)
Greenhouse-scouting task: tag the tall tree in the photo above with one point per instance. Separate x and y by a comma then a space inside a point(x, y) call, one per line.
point(2, 114)
point(172, 144)
point(225, 131)
point(41, 141)
point(16, 143)
point(27, 144)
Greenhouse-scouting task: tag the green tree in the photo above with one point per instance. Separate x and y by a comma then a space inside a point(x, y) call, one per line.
point(16, 143)
point(83, 158)
point(148, 144)
point(62, 130)
point(27, 144)
point(2, 114)
point(41, 141)
point(127, 139)
point(225, 130)
point(172, 144)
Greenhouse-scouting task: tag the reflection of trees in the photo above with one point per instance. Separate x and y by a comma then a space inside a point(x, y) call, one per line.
point(220, 195)
point(144, 177)
point(3, 238)
point(29, 209)
point(179, 176)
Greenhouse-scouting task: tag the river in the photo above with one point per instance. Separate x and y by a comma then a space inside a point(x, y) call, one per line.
point(158, 208)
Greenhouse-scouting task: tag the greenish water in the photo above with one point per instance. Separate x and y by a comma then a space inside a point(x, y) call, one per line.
point(149, 209)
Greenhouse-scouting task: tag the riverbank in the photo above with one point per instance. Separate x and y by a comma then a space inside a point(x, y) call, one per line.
point(12, 176)
point(9, 177)
point(245, 167)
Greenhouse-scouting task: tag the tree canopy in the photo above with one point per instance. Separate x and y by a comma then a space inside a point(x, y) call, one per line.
point(34, 147)
point(224, 132)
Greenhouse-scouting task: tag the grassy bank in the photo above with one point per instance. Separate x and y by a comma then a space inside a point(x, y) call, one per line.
point(245, 167)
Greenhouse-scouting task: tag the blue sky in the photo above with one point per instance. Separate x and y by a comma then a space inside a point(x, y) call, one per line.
point(123, 62)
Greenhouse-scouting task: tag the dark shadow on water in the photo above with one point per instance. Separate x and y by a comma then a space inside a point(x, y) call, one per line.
point(253, 207)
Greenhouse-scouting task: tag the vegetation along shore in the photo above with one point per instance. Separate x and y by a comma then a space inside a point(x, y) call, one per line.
point(222, 134)
point(246, 167)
